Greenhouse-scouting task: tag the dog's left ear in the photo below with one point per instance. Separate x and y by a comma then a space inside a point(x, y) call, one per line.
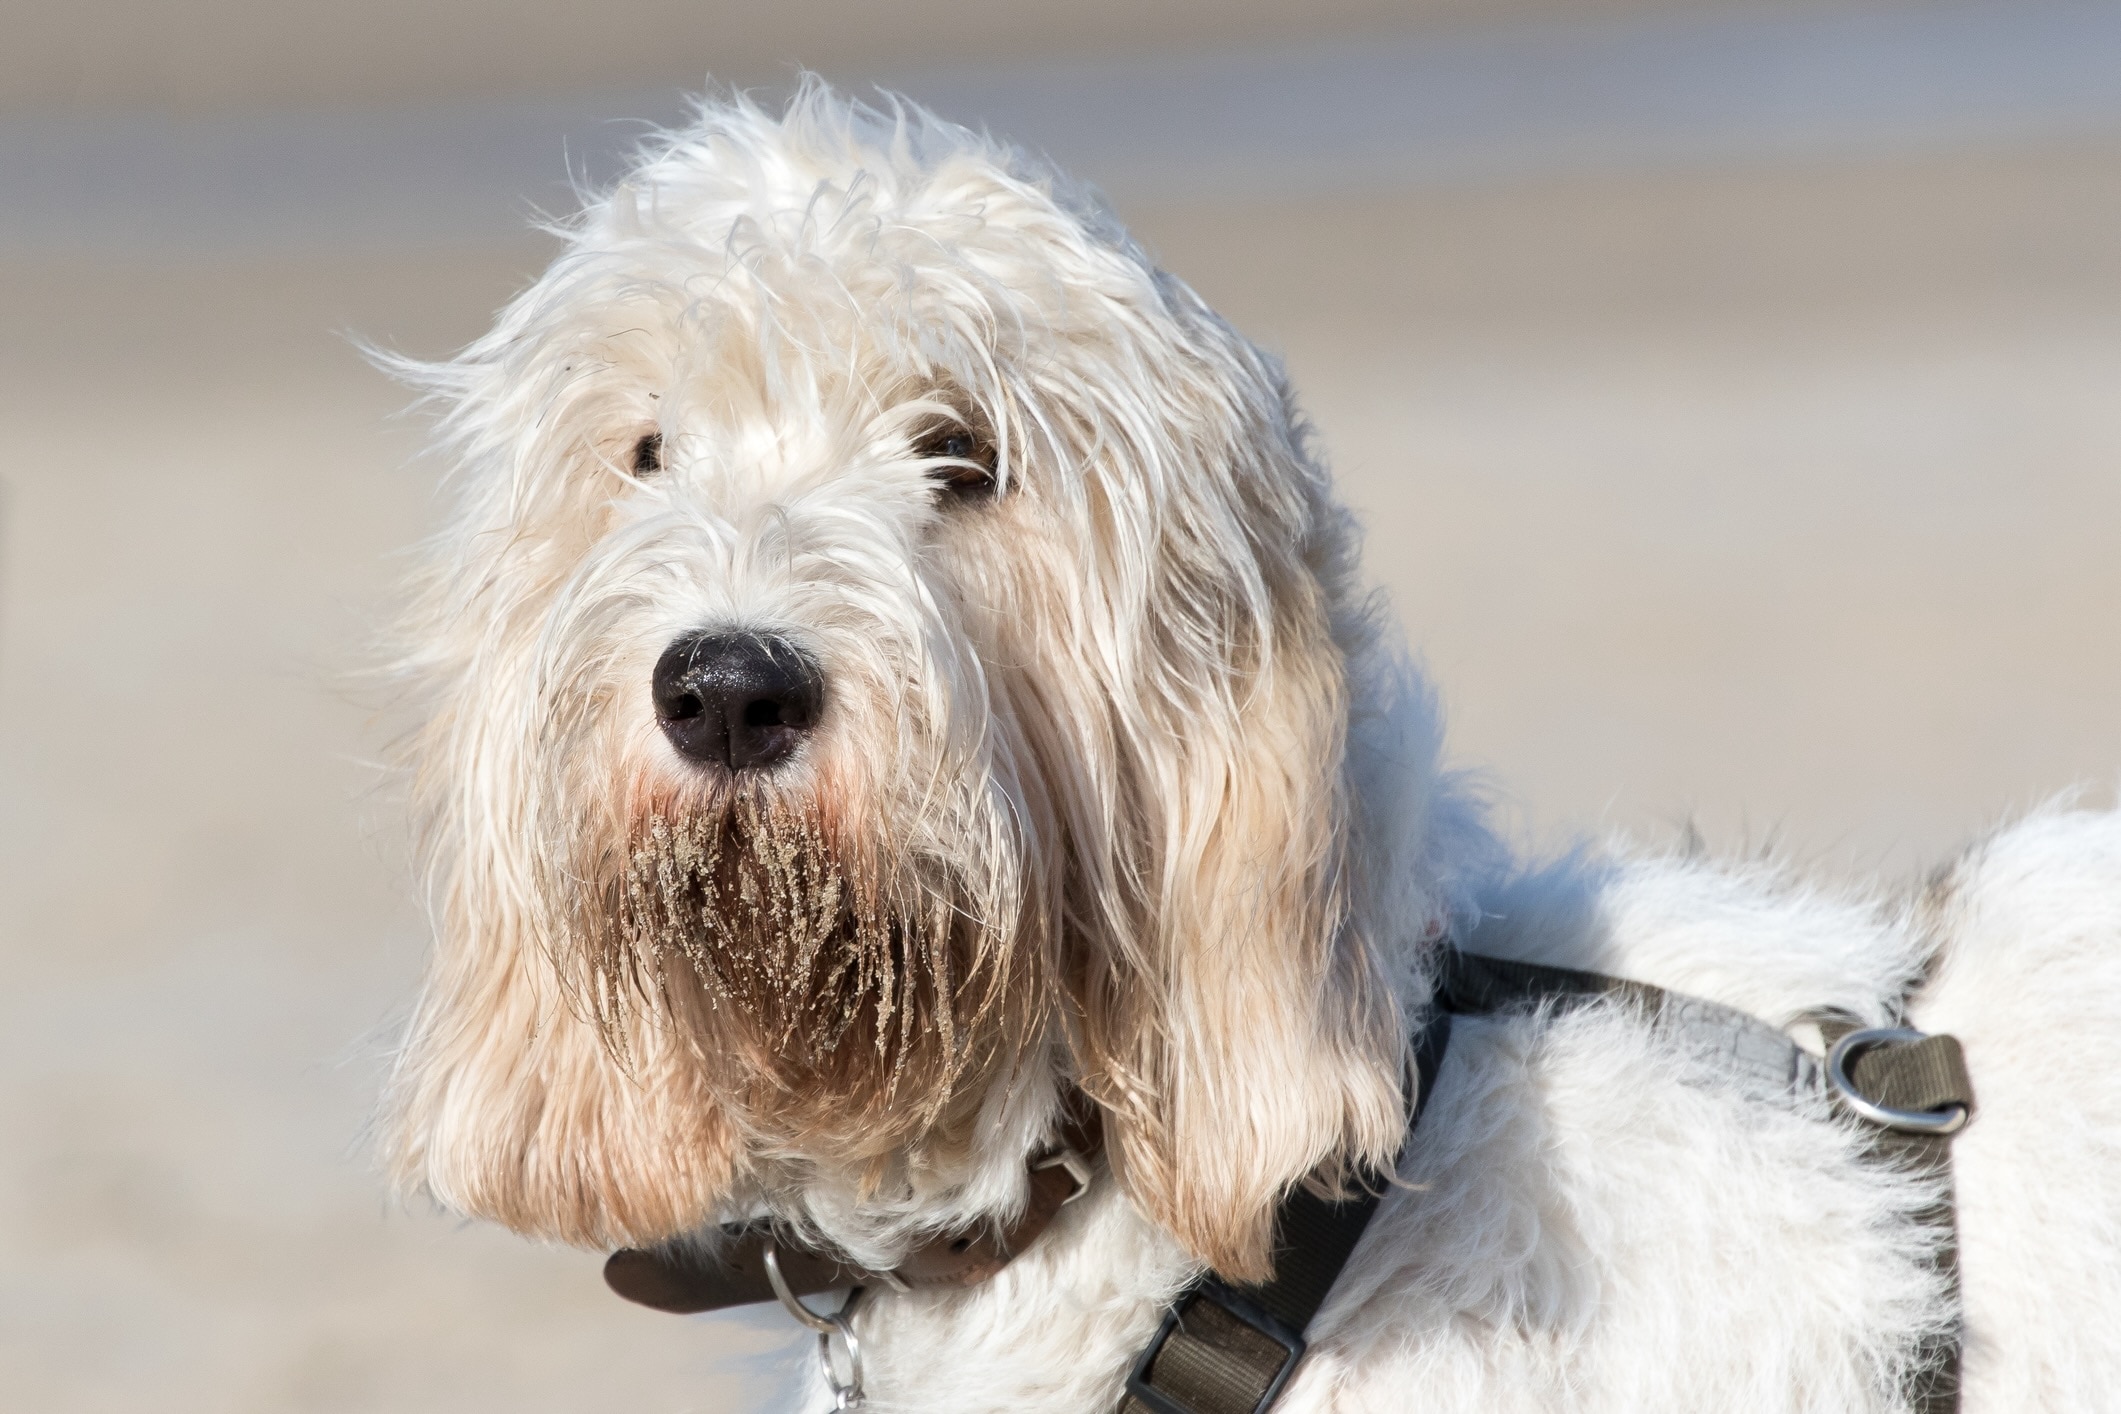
point(1237, 1027)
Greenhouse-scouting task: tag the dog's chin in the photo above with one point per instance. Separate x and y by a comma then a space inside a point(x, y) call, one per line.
point(843, 1001)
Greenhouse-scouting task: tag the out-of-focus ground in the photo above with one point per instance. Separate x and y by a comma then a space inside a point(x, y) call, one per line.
point(1782, 495)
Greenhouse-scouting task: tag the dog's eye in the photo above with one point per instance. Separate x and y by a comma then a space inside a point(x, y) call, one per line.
point(648, 455)
point(964, 460)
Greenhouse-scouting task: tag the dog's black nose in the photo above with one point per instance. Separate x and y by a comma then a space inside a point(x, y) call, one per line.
point(741, 700)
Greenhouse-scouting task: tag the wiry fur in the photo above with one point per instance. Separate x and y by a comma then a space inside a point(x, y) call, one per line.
point(1118, 786)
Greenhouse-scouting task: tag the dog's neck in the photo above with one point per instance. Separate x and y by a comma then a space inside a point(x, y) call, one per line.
point(875, 1213)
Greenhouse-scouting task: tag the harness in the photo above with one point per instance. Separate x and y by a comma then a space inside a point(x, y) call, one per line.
point(1225, 1348)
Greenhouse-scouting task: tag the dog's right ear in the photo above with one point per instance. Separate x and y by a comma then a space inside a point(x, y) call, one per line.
point(508, 1105)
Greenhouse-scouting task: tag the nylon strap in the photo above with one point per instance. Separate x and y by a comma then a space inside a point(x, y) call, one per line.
point(1930, 1074)
point(1227, 1349)
point(1926, 1075)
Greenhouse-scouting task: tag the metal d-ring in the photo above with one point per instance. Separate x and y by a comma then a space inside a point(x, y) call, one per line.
point(847, 1393)
point(1944, 1120)
point(1078, 1169)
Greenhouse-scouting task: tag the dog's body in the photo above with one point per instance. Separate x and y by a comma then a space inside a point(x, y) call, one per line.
point(1594, 1223)
point(896, 663)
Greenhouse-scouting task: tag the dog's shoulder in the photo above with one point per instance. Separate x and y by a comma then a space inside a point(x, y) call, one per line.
point(2057, 866)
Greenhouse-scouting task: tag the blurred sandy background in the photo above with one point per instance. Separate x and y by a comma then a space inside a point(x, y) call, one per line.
point(1731, 394)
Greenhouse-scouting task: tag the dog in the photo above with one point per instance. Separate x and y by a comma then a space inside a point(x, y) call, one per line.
point(896, 669)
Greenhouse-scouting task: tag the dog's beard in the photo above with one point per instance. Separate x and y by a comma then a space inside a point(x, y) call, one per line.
point(825, 986)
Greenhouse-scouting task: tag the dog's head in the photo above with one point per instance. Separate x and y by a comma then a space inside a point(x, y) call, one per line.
point(893, 658)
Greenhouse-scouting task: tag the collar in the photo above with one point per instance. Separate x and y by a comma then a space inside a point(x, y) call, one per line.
point(679, 1277)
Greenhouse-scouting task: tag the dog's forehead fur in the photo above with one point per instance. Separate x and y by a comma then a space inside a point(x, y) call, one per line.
point(785, 301)
point(780, 296)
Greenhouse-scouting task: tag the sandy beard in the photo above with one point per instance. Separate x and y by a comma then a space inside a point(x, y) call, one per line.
point(842, 1001)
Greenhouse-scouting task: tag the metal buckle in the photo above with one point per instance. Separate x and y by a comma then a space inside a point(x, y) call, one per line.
point(1945, 1120)
point(1216, 1293)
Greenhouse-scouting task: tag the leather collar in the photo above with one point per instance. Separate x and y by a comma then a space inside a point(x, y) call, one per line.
point(681, 1278)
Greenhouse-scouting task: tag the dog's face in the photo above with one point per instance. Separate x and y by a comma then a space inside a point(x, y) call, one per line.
point(890, 662)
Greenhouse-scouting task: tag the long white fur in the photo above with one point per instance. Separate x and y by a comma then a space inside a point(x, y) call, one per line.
point(1145, 725)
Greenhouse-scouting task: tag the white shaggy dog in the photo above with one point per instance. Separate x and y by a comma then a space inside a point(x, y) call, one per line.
point(896, 662)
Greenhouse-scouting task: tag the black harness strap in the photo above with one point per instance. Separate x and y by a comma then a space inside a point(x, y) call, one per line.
point(1231, 1349)
point(1226, 1348)
point(1920, 1075)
